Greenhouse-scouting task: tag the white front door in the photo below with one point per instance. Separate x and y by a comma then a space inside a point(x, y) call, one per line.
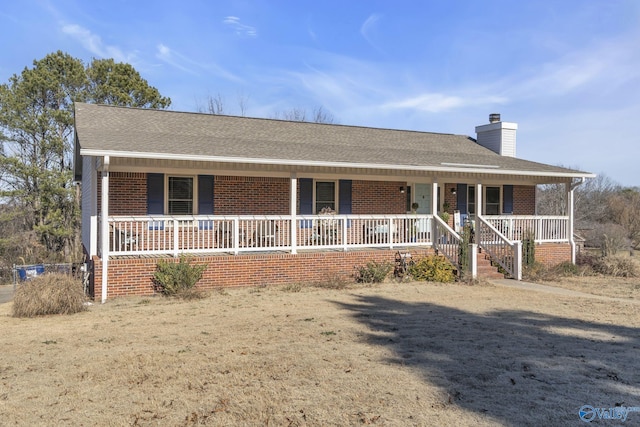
point(422, 196)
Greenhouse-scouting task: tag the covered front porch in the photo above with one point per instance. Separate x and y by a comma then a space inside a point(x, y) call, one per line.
point(431, 218)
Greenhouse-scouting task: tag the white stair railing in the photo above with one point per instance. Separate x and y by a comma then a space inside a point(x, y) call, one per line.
point(501, 250)
point(446, 241)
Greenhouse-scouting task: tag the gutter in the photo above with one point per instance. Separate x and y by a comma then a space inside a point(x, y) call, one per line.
point(459, 168)
point(572, 242)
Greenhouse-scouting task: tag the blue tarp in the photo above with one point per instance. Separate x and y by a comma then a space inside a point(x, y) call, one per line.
point(27, 272)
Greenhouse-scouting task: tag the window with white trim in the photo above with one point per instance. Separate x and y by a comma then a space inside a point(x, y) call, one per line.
point(180, 195)
point(325, 196)
point(492, 201)
point(471, 200)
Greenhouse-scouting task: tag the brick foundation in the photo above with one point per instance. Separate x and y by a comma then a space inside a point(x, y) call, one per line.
point(551, 254)
point(134, 276)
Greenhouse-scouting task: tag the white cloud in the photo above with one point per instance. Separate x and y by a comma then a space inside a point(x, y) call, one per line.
point(93, 43)
point(438, 102)
point(239, 28)
point(182, 62)
point(595, 68)
point(368, 27)
point(172, 58)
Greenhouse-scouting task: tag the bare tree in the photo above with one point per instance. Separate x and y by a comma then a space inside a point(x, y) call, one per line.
point(590, 200)
point(243, 100)
point(298, 114)
point(294, 114)
point(213, 105)
point(217, 105)
point(624, 210)
point(321, 115)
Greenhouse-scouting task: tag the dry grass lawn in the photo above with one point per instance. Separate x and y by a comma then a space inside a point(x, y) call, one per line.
point(393, 354)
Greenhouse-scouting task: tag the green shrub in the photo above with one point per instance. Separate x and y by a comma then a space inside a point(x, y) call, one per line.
point(434, 268)
point(373, 272)
point(178, 278)
point(53, 293)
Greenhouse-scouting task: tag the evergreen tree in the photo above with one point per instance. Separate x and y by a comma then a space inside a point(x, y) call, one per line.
point(36, 137)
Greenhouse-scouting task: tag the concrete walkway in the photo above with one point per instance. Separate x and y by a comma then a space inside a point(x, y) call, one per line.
point(537, 287)
point(6, 293)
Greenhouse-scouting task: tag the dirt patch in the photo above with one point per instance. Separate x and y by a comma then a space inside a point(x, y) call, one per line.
point(394, 354)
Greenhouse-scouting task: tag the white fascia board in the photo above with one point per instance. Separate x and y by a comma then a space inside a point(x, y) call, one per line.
point(496, 126)
point(490, 169)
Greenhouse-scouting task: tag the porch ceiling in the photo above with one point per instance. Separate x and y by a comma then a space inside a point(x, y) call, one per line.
point(119, 164)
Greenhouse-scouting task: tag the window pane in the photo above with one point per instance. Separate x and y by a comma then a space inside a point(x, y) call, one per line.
point(471, 200)
point(492, 205)
point(180, 195)
point(325, 195)
point(180, 207)
point(493, 195)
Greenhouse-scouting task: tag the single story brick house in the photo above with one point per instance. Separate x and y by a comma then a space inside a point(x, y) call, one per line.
point(264, 201)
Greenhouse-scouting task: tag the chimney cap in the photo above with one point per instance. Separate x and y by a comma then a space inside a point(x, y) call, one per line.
point(494, 117)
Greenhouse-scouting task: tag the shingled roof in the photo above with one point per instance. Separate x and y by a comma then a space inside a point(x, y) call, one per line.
point(143, 133)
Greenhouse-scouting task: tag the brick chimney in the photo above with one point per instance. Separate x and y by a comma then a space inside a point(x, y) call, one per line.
point(498, 136)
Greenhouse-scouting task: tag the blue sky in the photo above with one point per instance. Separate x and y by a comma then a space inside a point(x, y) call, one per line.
point(568, 72)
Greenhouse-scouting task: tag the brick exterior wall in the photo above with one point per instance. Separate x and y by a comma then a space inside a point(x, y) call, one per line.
point(251, 196)
point(551, 254)
point(524, 200)
point(134, 276)
point(128, 277)
point(378, 197)
point(127, 193)
point(270, 196)
point(450, 198)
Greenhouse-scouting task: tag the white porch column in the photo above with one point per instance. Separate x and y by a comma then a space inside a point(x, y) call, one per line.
point(479, 204)
point(473, 260)
point(434, 198)
point(434, 212)
point(104, 225)
point(93, 206)
point(293, 211)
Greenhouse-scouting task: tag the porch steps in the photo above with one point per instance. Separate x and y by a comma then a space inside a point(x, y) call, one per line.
point(486, 268)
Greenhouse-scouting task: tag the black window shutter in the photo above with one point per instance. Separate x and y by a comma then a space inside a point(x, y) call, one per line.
point(205, 194)
point(306, 200)
point(507, 199)
point(462, 198)
point(344, 197)
point(155, 194)
point(306, 196)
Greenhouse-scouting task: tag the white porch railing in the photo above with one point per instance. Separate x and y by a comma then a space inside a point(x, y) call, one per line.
point(541, 228)
point(174, 235)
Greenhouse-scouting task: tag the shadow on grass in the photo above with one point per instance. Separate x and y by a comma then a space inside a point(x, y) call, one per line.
point(516, 367)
